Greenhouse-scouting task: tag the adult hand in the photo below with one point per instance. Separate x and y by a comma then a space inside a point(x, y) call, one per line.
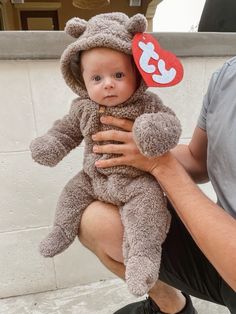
point(130, 155)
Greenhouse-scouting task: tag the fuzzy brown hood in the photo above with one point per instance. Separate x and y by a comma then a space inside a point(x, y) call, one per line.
point(110, 30)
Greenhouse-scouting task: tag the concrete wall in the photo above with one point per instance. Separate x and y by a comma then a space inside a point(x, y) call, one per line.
point(33, 95)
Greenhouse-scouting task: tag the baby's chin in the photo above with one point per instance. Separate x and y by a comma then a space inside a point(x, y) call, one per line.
point(112, 101)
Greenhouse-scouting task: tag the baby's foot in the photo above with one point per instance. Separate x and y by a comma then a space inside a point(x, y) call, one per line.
point(54, 243)
point(141, 274)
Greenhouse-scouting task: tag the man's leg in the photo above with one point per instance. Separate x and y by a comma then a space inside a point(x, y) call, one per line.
point(101, 231)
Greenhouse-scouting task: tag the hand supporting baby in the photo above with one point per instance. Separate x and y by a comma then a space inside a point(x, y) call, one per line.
point(131, 156)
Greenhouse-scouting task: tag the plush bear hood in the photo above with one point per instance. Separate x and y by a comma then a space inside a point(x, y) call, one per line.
point(110, 30)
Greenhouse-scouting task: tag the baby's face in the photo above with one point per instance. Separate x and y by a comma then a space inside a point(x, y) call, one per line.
point(109, 76)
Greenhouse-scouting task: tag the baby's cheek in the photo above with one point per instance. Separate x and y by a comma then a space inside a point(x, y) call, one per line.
point(97, 98)
point(93, 94)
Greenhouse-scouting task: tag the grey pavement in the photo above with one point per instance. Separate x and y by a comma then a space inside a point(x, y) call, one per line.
point(103, 297)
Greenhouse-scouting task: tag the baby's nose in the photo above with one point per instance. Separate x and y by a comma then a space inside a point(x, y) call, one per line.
point(109, 83)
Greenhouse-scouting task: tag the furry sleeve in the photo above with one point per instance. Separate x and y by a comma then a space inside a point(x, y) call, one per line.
point(64, 135)
point(157, 130)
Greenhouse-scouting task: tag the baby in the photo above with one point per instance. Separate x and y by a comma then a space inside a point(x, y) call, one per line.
point(99, 67)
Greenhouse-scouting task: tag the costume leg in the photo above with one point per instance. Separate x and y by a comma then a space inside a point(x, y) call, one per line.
point(75, 197)
point(146, 221)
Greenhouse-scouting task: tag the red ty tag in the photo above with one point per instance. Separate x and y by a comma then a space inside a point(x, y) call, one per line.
point(158, 67)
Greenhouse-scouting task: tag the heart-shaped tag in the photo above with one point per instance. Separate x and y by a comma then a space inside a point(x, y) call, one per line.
point(157, 66)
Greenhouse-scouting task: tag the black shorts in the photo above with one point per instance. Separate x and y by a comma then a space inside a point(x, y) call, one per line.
point(186, 268)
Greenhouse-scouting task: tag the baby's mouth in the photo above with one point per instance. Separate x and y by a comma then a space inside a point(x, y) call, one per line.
point(110, 96)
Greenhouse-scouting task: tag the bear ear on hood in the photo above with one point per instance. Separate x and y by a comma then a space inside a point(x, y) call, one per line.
point(137, 24)
point(75, 27)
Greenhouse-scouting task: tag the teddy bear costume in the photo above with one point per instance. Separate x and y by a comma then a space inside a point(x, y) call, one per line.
point(156, 129)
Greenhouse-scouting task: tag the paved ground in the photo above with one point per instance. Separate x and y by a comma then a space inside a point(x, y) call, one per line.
point(98, 298)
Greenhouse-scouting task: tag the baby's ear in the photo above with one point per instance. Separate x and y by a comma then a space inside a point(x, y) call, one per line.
point(137, 24)
point(75, 27)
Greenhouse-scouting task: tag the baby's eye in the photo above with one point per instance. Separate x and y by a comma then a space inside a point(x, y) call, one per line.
point(119, 75)
point(96, 78)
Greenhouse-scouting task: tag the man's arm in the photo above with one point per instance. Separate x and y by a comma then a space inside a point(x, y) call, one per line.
point(211, 227)
point(193, 157)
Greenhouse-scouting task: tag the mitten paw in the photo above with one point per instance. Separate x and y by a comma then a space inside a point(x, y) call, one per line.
point(54, 243)
point(156, 133)
point(141, 274)
point(47, 151)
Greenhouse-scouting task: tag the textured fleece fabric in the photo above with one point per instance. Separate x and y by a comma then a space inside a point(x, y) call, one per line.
point(139, 197)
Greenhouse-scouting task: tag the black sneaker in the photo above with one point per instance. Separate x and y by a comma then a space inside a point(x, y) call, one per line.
point(148, 306)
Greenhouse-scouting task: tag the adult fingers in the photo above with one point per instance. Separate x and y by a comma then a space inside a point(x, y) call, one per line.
point(110, 162)
point(123, 124)
point(112, 135)
point(123, 149)
point(109, 149)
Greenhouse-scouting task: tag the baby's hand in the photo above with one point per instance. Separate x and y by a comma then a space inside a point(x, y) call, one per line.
point(46, 150)
point(156, 133)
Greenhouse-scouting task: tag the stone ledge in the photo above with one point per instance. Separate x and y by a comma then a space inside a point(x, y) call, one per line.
point(49, 45)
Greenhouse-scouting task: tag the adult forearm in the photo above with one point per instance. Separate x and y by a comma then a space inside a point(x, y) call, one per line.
point(193, 157)
point(194, 168)
point(211, 227)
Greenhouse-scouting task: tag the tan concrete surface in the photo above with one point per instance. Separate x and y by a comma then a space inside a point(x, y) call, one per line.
point(98, 298)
